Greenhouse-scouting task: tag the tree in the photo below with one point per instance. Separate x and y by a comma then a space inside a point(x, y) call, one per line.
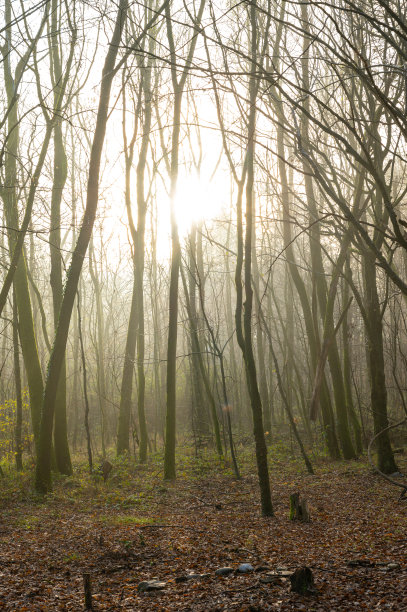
point(244, 332)
point(18, 269)
point(178, 84)
point(43, 468)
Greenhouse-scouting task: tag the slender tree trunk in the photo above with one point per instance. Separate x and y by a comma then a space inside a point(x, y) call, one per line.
point(75, 383)
point(123, 432)
point(312, 330)
point(19, 400)
point(9, 196)
point(317, 262)
point(178, 87)
point(228, 410)
point(264, 394)
point(204, 375)
point(236, 403)
point(126, 391)
point(60, 170)
point(245, 335)
point(63, 460)
point(347, 366)
point(100, 346)
point(43, 469)
point(158, 399)
point(75, 323)
point(196, 382)
point(85, 385)
point(170, 418)
point(140, 251)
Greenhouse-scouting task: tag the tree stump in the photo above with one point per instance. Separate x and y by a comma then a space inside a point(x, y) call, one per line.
point(87, 587)
point(106, 468)
point(299, 509)
point(302, 581)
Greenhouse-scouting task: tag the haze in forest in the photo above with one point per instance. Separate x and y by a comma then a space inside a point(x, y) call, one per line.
point(203, 234)
point(203, 341)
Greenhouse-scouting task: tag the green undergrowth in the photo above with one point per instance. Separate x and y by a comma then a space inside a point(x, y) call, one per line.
point(136, 493)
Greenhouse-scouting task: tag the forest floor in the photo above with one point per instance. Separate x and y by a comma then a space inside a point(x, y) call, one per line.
point(135, 528)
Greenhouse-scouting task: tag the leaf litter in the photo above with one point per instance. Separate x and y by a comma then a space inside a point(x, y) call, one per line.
point(136, 530)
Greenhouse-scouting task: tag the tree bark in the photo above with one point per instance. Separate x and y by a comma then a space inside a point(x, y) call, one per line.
point(43, 468)
point(378, 392)
point(178, 87)
point(244, 334)
point(9, 196)
point(19, 400)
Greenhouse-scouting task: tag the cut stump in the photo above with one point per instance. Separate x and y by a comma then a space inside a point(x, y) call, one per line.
point(299, 509)
point(106, 468)
point(302, 581)
point(87, 587)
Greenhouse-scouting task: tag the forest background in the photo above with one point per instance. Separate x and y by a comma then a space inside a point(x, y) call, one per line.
point(203, 236)
point(212, 222)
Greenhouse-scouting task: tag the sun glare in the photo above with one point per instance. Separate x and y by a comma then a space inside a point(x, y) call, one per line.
point(197, 201)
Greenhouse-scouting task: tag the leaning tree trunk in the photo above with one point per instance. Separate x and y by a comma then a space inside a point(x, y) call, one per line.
point(311, 329)
point(43, 469)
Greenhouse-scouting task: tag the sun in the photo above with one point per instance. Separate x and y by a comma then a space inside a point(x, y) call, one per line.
point(197, 200)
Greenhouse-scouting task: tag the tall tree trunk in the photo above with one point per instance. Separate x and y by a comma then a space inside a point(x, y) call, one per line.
point(9, 196)
point(311, 329)
point(347, 366)
point(202, 370)
point(60, 170)
point(75, 322)
point(263, 390)
point(236, 403)
point(178, 87)
point(100, 346)
point(378, 393)
point(196, 382)
point(43, 469)
point(19, 399)
point(85, 384)
point(140, 249)
point(158, 395)
point(123, 432)
point(244, 335)
point(126, 390)
point(317, 262)
point(170, 417)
